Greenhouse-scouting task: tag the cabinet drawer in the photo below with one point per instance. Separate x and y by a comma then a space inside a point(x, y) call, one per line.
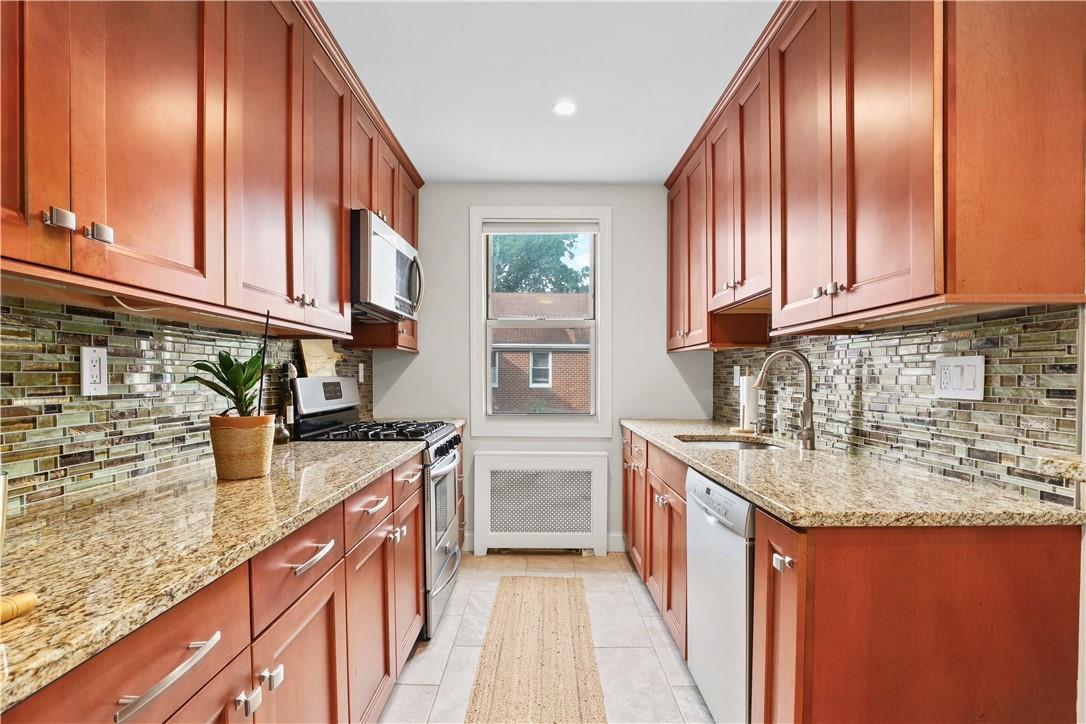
point(284, 571)
point(186, 645)
point(217, 701)
point(366, 508)
point(669, 469)
point(637, 449)
point(406, 479)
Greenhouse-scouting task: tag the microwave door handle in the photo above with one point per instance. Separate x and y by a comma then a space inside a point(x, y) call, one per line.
point(422, 284)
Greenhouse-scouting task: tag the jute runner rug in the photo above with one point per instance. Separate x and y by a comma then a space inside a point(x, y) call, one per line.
point(537, 663)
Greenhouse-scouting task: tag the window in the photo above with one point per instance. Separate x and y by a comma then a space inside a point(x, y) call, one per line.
point(540, 372)
point(539, 305)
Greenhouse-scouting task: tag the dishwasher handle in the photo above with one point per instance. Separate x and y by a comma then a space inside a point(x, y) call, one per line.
point(711, 515)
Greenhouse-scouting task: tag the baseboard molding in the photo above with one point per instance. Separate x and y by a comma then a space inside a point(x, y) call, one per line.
point(616, 543)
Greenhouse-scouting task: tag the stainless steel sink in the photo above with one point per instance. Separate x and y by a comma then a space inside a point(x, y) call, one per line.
point(731, 444)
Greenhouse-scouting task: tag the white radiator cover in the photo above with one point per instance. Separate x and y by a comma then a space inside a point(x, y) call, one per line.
point(540, 500)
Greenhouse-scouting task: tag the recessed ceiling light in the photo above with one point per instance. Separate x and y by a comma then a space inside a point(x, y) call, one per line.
point(565, 108)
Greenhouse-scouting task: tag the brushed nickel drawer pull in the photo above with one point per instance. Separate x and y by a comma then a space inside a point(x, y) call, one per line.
point(132, 705)
point(374, 508)
point(413, 479)
point(782, 562)
point(59, 218)
point(99, 232)
point(325, 549)
point(249, 702)
point(272, 678)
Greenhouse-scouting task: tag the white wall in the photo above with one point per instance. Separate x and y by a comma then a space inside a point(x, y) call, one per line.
point(647, 382)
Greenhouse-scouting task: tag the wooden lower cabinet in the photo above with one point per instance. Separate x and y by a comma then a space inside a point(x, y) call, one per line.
point(410, 583)
point(301, 659)
point(915, 624)
point(656, 529)
point(634, 498)
point(229, 698)
point(371, 626)
point(674, 595)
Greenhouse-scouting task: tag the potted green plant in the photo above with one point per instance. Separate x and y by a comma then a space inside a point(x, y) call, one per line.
point(242, 442)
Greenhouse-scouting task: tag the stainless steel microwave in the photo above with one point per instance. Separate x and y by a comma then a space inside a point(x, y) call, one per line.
point(386, 276)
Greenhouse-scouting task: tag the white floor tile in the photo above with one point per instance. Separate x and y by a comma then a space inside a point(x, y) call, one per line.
point(668, 652)
point(451, 703)
point(549, 563)
point(409, 704)
point(475, 617)
point(645, 605)
point(615, 619)
point(692, 705)
point(635, 688)
point(427, 662)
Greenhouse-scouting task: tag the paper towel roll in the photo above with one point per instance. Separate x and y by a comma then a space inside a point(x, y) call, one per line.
point(748, 403)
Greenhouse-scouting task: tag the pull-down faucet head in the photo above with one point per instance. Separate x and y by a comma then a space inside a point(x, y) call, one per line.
point(806, 417)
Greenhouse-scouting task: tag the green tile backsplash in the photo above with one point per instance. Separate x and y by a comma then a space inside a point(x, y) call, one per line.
point(875, 391)
point(54, 441)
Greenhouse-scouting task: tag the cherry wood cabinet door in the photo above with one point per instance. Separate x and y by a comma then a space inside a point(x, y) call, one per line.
point(721, 148)
point(633, 502)
point(364, 151)
point(753, 242)
point(264, 74)
point(799, 74)
point(407, 206)
point(677, 264)
point(674, 598)
point(697, 240)
point(780, 592)
point(410, 581)
point(147, 144)
point(385, 173)
point(301, 659)
point(884, 150)
point(35, 162)
point(371, 628)
point(326, 122)
point(656, 522)
point(218, 701)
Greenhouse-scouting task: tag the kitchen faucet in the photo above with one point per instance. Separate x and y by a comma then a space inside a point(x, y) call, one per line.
point(806, 415)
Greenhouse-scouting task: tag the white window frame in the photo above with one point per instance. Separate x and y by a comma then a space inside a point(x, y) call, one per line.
point(600, 423)
point(532, 368)
point(495, 370)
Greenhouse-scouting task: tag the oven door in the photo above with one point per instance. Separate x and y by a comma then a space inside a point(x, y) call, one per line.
point(443, 552)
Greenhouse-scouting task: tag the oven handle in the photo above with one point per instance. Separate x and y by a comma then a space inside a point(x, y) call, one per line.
point(447, 468)
point(452, 575)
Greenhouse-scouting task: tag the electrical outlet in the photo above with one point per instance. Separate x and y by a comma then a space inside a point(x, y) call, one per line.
point(93, 377)
point(960, 378)
point(361, 372)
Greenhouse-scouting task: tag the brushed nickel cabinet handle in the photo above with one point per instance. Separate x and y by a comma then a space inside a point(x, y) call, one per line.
point(272, 678)
point(324, 549)
point(132, 705)
point(314, 302)
point(301, 299)
point(99, 232)
point(834, 288)
point(817, 292)
point(59, 218)
point(374, 508)
point(782, 562)
point(249, 702)
point(413, 479)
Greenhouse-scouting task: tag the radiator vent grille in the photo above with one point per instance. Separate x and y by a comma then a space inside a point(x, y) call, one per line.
point(541, 501)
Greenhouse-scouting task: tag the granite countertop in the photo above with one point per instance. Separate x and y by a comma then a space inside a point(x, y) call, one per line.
point(835, 488)
point(108, 560)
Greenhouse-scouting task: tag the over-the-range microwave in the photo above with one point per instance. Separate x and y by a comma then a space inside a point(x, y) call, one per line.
point(386, 276)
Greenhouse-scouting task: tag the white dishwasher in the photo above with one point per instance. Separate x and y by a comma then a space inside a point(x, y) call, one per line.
point(720, 580)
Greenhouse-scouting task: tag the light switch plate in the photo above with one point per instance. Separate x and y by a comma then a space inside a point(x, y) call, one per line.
point(960, 378)
point(93, 377)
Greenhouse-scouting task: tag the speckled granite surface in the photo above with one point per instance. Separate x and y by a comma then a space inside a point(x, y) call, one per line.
point(1068, 467)
point(822, 488)
point(107, 561)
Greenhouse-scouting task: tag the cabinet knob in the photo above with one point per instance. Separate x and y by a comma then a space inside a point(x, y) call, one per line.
point(817, 292)
point(737, 283)
point(782, 562)
point(301, 299)
point(834, 288)
point(249, 702)
point(99, 232)
point(58, 217)
point(313, 302)
point(272, 678)
point(729, 285)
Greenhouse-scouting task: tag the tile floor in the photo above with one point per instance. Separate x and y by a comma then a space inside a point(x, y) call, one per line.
point(644, 678)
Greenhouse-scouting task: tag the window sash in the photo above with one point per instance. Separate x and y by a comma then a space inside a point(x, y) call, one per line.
point(593, 362)
point(490, 229)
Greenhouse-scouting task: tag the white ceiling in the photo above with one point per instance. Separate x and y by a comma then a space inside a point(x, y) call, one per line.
point(468, 86)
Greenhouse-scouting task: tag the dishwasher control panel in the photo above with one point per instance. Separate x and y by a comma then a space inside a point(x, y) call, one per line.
point(731, 510)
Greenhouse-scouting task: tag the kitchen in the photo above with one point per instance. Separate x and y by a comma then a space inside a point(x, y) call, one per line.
point(768, 391)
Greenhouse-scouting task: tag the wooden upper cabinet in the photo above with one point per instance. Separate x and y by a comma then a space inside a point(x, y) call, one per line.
point(799, 75)
point(739, 195)
point(364, 150)
point(305, 655)
point(780, 600)
point(696, 177)
point(677, 264)
point(35, 160)
point(885, 240)
point(264, 78)
point(326, 123)
point(147, 144)
point(407, 206)
point(385, 178)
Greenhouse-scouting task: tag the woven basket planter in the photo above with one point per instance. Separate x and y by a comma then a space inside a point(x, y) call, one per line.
point(242, 446)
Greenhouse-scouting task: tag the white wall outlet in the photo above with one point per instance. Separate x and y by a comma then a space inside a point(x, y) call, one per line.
point(361, 372)
point(737, 372)
point(960, 378)
point(93, 377)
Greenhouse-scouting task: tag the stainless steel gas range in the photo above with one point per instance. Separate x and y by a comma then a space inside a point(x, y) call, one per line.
point(327, 409)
